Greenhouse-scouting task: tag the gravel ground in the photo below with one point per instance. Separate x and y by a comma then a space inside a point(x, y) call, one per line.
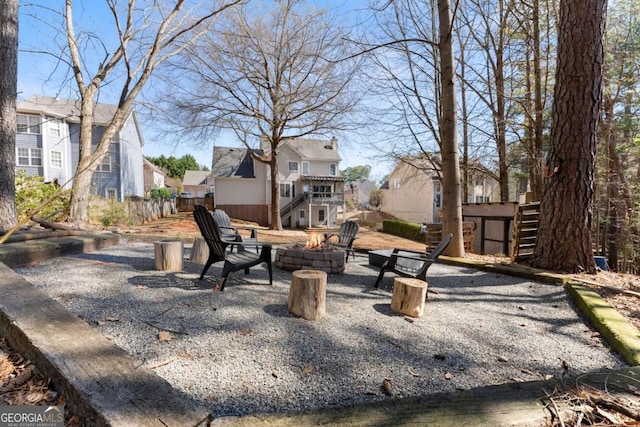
point(241, 352)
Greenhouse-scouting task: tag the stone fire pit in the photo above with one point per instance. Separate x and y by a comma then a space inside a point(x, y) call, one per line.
point(294, 258)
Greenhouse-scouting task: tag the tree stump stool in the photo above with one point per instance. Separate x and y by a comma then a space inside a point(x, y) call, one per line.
point(168, 254)
point(409, 296)
point(308, 294)
point(199, 251)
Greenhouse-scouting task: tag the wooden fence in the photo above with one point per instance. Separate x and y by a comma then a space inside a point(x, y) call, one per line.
point(187, 204)
point(254, 213)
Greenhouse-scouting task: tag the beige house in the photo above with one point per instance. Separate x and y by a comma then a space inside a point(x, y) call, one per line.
point(413, 191)
point(310, 184)
point(197, 183)
point(154, 177)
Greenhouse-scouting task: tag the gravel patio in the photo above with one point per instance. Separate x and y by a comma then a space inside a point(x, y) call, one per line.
point(241, 352)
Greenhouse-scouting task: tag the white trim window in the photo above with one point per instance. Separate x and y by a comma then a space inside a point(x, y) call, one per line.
point(55, 126)
point(105, 166)
point(332, 169)
point(293, 166)
point(285, 190)
point(305, 168)
point(55, 159)
point(28, 123)
point(301, 214)
point(29, 156)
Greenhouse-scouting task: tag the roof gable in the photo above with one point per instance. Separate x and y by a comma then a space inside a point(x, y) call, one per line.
point(195, 177)
point(228, 162)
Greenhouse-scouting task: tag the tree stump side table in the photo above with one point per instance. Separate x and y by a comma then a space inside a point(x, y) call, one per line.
point(308, 294)
point(168, 254)
point(409, 296)
point(199, 251)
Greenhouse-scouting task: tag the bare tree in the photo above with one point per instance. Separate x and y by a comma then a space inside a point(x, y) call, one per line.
point(564, 236)
point(8, 95)
point(145, 34)
point(270, 75)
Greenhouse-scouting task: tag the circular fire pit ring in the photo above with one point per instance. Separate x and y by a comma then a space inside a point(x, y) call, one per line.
point(331, 261)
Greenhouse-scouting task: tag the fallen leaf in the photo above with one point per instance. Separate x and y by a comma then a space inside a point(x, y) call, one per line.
point(386, 385)
point(439, 356)
point(526, 371)
point(109, 337)
point(521, 307)
point(245, 332)
point(413, 373)
point(502, 359)
point(523, 324)
point(409, 319)
point(448, 376)
point(308, 369)
point(112, 319)
point(274, 374)
point(595, 335)
point(548, 377)
point(517, 380)
point(101, 323)
point(165, 336)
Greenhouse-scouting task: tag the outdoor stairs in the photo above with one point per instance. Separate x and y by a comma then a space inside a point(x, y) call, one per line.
point(525, 231)
point(287, 210)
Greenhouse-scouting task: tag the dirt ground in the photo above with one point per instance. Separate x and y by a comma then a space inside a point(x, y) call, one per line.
point(20, 383)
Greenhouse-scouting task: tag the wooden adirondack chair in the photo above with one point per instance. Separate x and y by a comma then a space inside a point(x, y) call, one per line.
point(347, 234)
point(233, 261)
point(407, 263)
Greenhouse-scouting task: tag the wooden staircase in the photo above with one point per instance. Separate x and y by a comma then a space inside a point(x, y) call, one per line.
point(525, 231)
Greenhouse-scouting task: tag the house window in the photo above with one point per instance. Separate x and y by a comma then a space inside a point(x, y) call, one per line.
point(28, 123)
point(305, 168)
point(285, 190)
point(293, 166)
point(105, 166)
point(396, 183)
point(54, 127)
point(55, 159)
point(321, 215)
point(437, 194)
point(332, 169)
point(301, 214)
point(29, 157)
point(321, 191)
point(111, 193)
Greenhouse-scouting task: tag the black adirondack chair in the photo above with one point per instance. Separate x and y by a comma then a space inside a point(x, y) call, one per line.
point(229, 232)
point(233, 261)
point(346, 235)
point(407, 263)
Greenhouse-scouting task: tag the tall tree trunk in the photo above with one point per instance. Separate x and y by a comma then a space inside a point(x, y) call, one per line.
point(452, 205)
point(538, 105)
point(500, 119)
point(564, 237)
point(8, 95)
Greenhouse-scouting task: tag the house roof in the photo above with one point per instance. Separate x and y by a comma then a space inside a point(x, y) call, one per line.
point(195, 177)
point(228, 162)
point(315, 149)
point(67, 109)
point(146, 163)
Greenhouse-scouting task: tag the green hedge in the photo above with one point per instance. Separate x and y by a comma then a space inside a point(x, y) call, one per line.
point(408, 230)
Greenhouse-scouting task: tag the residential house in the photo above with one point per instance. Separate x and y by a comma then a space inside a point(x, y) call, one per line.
point(154, 177)
point(310, 184)
point(198, 183)
point(47, 144)
point(413, 191)
point(360, 191)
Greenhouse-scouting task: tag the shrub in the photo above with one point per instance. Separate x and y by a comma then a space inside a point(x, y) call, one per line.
point(408, 230)
point(160, 193)
point(32, 191)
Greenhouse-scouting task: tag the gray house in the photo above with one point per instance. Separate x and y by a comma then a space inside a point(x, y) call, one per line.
point(47, 144)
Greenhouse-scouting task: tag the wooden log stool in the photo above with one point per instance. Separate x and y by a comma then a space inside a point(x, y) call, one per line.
point(199, 251)
point(409, 296)
point(308, 294)
point(168, 254)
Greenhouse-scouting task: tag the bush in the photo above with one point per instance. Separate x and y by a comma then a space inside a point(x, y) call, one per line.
point(408, 230)
point(32, 191)
point(160, 193)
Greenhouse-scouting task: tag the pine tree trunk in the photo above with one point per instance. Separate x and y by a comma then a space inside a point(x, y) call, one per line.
point(564, 236)
point(8, 95)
